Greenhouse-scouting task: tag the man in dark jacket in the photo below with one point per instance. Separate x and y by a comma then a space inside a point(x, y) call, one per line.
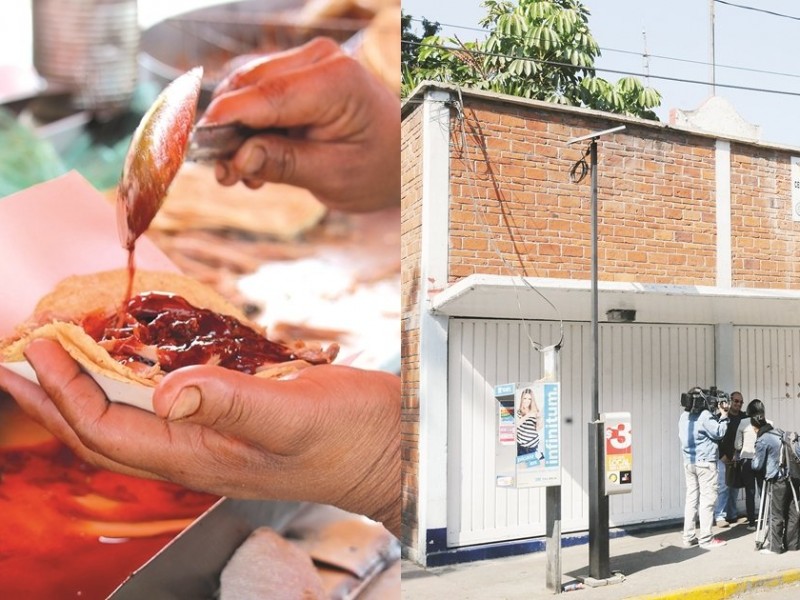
point(725, 511)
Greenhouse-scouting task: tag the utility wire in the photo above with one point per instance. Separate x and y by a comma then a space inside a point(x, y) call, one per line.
point(459, 106)
point(761, 10)
point(607, 70)
point(647, 54)
point(701, 62)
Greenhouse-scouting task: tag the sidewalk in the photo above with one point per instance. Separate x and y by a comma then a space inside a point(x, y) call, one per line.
point(654, 565)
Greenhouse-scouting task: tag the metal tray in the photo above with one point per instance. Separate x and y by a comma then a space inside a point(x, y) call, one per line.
point(188, 568)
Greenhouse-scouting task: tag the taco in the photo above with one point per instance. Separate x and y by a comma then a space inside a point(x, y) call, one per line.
point(171, 321)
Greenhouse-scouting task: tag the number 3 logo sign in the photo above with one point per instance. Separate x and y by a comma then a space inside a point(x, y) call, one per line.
point(618, 438)
point(618, 460)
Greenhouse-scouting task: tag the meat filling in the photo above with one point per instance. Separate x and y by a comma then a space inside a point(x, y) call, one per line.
point(165, 330)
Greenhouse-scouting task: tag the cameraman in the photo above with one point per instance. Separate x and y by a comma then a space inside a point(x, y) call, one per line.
point(700, 432)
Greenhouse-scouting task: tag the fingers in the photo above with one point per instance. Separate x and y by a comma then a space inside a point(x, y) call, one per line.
point(327, 169)
point(278, 64)
point(36, 403)
point(127, 439)
point(33, 400)
point(274, 415)
point(308, 95)
point(296, 162)
point(339, 129)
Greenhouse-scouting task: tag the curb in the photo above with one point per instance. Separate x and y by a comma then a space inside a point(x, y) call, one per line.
point(728, 589)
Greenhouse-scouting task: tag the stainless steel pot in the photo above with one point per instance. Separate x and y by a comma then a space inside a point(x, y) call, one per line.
point(89, 47)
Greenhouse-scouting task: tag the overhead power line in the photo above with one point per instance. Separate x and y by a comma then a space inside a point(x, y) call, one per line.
point(605, 70)
point(702, 63)
point(648, 55)
point(761, 10)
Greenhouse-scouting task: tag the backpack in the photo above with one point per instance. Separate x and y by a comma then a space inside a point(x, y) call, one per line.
point(790, 454)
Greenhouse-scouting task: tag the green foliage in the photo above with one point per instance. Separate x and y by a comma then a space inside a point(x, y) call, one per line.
point(410, 46)
point(539, 49)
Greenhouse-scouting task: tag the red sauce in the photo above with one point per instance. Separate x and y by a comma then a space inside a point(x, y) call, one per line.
point(129, 287)
point(184, 335)
point(47, 498)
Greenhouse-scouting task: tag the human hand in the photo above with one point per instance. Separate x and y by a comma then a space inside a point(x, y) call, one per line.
point(330, 435)
point(723, 410)
point(341, 124)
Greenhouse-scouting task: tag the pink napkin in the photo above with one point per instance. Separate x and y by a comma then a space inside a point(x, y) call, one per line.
point(55, 229)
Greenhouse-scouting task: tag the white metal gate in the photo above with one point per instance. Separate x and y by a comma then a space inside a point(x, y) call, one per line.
point(643, 369)
point(767, 367)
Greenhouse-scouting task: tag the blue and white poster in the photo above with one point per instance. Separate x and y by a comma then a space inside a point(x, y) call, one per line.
point(537, 413)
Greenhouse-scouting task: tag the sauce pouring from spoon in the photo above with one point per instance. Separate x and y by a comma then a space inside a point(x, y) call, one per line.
point(156, 152)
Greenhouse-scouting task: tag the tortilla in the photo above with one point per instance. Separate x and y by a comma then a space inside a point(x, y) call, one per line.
point(58, 314)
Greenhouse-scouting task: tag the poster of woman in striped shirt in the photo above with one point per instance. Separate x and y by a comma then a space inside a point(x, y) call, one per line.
point(529, 425)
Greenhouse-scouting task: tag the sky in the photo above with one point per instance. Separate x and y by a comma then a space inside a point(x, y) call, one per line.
point(677, 36)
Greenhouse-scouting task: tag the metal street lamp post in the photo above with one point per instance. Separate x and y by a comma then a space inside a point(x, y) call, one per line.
point(599, 567)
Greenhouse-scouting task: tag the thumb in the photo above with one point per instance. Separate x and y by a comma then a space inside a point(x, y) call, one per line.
point(265, 412)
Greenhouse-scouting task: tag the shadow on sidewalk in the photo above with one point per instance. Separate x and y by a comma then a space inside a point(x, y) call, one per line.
point(671, 554)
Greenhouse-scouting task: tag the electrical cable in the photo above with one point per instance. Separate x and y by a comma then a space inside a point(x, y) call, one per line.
point(606, 70)
point(647, 54)
point(458, 105)
point(701, 63)
point(760, 10)
point(580, 169)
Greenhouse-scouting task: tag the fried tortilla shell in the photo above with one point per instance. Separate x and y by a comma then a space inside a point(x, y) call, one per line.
point(57, 315)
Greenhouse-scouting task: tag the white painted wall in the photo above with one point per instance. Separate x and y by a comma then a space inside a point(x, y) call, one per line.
point(767, 367)
point(432, 490)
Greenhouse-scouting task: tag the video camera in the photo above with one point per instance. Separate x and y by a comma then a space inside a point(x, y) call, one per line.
point(698, 399)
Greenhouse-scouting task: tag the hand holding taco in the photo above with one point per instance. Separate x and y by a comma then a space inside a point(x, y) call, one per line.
point(170, 322)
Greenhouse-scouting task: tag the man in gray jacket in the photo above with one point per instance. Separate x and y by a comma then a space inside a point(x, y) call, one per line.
point(699, 432)
point(784, 520)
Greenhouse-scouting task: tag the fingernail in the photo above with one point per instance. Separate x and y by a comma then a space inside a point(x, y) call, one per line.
point(205, 121)
point(255, 160)
point(186, 404)
point(31, 349)
point(221, 171)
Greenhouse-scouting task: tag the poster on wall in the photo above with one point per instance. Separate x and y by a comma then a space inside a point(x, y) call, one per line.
point(505, 424)
point(537, 409)
point(795, 188)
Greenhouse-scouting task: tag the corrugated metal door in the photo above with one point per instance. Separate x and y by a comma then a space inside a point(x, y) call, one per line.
point(644, 369)
point(767, 367)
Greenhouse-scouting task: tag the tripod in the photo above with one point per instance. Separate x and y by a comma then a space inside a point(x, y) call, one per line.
point(762, 524)
point(764, 509)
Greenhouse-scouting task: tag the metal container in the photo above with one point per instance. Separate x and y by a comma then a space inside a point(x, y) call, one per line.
point(219, 37)
point(89, 47)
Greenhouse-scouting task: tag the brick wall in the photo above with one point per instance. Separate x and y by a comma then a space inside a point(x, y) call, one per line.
point(765, 241)
point(409, 352)
point(515, 209)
